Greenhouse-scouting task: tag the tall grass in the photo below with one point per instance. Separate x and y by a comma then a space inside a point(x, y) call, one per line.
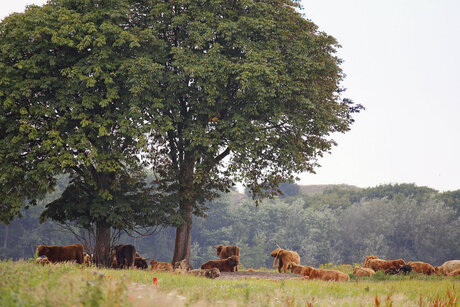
point(25, 283)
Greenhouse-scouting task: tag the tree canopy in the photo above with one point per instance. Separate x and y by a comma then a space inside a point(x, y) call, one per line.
point(208, 93)
point(244, 91)
point(67, 109)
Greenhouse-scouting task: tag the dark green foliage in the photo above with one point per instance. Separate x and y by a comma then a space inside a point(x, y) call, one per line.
point(66, 108)
point(399, 191)
point(337, 196)
point(451, 199)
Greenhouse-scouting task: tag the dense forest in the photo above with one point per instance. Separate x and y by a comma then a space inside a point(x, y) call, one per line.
point(338, 224)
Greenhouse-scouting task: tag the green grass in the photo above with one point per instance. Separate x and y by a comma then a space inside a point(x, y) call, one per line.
point(29, 284)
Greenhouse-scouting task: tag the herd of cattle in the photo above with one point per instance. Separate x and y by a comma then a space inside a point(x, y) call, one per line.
point(124, 256)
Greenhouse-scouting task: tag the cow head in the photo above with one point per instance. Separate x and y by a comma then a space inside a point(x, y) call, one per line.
point(233, 260)
point(276, 252)
point(307, 270)
point(215, 273)
point(219, 249)
point(140, 263)
point(42, 250)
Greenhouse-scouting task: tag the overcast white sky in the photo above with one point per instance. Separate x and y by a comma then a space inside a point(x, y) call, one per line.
point(402, 63)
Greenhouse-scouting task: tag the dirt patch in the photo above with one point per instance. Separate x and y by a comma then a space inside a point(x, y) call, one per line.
point(257, 275)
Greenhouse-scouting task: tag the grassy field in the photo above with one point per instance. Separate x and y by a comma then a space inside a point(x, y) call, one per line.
point(25, 283)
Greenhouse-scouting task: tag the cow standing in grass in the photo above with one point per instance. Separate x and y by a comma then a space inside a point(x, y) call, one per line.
point(55, 254)
point(284, 257)
point(125, 255)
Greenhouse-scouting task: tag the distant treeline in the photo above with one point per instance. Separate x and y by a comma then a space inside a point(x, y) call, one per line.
point(338, 224)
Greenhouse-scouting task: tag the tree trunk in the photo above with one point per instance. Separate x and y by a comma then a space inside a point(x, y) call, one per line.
point(184, 237)
point(186, 201)
point(102, 254)
point(6, 237)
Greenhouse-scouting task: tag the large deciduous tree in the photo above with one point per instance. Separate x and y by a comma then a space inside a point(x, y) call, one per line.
point(244, 91)
point(66, 108)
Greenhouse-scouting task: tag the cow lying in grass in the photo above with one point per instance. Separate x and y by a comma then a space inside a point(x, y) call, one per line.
point(405, 269)
point(160, 266)
point(360, 271)
point(182, 267)
point(447, 267)
point(377, 264)
point(224, 265)
point(454, 273)
point(209, 273)
point(295, 268)
point(327, 275)
point(227, 251)
point(422, 267)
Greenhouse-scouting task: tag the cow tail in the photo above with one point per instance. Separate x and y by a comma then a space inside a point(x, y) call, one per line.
point(276, 259)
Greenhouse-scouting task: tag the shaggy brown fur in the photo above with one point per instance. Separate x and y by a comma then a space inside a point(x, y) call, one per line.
point(366, 261)
point(62, 253)
point(160, 266)
point(42, 260)
point(182, 267)
point(284, 257)
point(383, 265)
point(448, 267)
point(454, 273)
point(224, 265)
point(87, 259)
point(227, 251)
point(359, 271)
point(209, 273)
point(125, 254)
point(140, 263)
point(114, 264)
point(327, 275)
point(295, 268)
point(422, 267)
